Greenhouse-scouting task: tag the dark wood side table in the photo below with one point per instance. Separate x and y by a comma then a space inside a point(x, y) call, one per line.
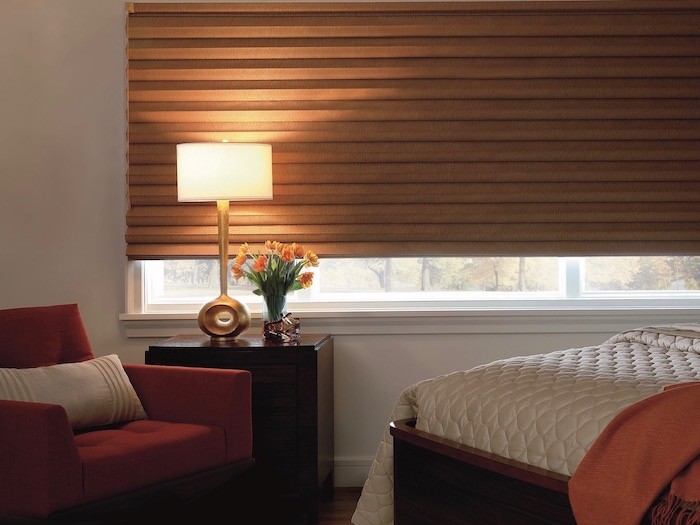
point(292, 407)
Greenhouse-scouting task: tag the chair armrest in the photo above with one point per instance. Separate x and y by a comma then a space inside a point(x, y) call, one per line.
point(39, 464)
point(204, 396)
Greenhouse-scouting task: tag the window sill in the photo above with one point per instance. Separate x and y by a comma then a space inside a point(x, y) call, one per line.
point(415, 321)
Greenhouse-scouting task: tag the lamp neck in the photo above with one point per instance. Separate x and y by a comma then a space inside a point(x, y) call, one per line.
point(222, 207)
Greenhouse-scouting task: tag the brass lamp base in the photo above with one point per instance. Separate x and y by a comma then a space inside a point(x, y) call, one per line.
point(224, 318)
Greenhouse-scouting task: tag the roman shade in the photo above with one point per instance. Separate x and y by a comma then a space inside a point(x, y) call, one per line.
point(427, 128)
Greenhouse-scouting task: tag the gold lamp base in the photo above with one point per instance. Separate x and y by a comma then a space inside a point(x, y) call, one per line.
point(224, 318)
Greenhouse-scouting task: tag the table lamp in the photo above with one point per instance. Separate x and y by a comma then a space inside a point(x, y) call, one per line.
point(223, 172)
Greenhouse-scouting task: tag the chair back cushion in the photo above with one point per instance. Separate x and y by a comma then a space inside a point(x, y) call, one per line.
point(42, 336)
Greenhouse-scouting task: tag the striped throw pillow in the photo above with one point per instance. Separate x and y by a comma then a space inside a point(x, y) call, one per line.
point(93, 393)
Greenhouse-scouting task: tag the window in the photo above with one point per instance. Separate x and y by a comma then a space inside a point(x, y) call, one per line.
point(440, 282)
point(523, 144)
point(632, 274)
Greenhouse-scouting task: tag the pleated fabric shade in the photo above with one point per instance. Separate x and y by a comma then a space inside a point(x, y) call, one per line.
point(427, 128)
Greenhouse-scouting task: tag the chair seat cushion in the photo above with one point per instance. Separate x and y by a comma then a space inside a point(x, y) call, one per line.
point(144, 452)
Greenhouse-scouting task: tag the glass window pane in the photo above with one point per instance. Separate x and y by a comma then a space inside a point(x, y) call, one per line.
point(171, 282)
point(437, 274)
point(189, 278)
point(650, 273)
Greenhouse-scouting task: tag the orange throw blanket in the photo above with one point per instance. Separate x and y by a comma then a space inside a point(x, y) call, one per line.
point(650, 449)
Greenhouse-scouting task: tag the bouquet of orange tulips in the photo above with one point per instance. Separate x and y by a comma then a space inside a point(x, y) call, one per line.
point(275, 271)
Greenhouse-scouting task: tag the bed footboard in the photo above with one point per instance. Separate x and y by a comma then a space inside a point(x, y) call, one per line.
point(437, 481)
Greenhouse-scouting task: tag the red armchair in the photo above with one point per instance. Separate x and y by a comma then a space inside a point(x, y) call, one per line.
point(197, 434)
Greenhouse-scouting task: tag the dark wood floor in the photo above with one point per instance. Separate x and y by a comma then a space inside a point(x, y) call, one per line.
point(338, 511)
point(262, 510)
point(335, 511)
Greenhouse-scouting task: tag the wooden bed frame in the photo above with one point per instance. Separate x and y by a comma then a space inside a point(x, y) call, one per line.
point(438, 481)
point(441, 482)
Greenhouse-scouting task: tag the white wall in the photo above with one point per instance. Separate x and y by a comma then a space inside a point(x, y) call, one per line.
point(62, 162)
point(62, 170)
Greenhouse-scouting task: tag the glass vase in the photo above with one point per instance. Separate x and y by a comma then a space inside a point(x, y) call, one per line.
point(278, 324)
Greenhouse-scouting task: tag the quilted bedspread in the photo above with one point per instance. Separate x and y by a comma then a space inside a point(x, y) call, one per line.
point(544, 410)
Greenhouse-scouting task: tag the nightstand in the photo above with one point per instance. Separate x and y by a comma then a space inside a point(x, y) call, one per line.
point(292, 406)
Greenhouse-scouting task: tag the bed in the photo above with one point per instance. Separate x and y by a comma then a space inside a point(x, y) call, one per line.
point(498, 443)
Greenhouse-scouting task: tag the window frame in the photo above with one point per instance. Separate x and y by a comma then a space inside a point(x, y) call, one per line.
point(571, 297)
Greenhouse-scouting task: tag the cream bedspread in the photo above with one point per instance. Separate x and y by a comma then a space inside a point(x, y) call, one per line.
point(544, 410)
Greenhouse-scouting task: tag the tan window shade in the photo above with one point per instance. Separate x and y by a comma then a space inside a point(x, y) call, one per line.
point(424, 128)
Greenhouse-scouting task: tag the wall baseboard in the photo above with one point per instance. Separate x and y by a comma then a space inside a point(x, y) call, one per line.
point(351, 472)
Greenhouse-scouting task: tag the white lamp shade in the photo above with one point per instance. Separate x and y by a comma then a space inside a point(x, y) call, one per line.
point(212, 171)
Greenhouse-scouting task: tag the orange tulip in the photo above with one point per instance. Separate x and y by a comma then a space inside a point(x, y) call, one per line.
point(241, 258)
point(287, 253)
point(244, 248)
point(311, 258)
point(260, 264)
point(298, 250)
point(306, 279)
point(236, 271)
